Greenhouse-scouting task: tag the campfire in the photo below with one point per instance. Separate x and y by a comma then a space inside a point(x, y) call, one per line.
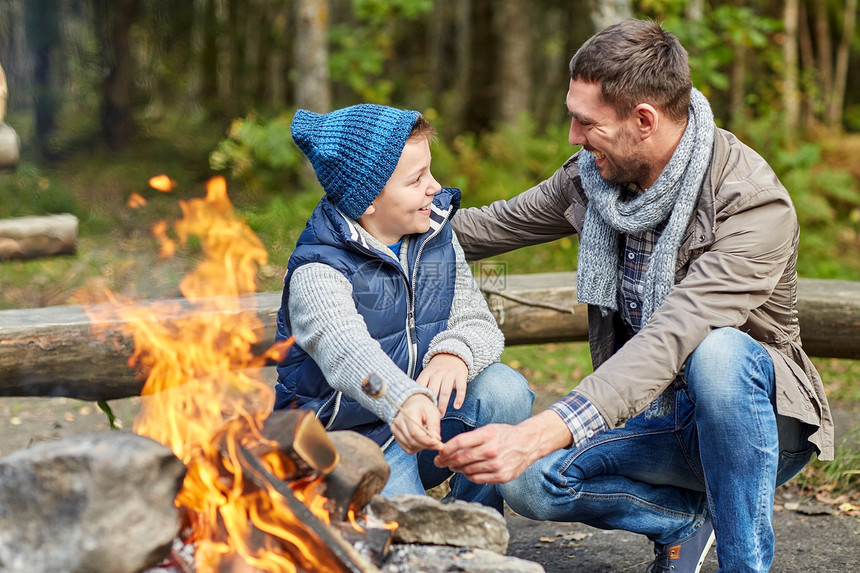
point(263, 491)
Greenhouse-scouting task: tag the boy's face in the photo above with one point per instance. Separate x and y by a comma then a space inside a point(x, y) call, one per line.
point(403, 205)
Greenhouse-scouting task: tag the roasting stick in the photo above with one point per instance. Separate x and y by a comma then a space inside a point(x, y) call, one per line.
point(374, 386)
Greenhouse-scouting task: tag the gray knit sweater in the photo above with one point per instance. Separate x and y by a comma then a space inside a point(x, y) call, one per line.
point(328, 327)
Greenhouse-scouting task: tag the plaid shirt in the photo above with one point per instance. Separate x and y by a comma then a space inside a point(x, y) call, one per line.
point(582, 418)
point(580, 415)
point(637, 252)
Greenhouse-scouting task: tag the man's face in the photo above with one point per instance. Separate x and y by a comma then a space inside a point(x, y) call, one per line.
point(611, 140)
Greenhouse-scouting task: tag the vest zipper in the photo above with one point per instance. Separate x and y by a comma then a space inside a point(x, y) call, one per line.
point(336, 397)
point(412, 335)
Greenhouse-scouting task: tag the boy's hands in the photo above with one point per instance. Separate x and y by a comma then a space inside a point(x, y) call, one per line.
point(408, 433)
point(445, 374)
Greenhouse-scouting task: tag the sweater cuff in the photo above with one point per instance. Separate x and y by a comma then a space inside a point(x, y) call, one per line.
point(400, 393)
point(456, 347)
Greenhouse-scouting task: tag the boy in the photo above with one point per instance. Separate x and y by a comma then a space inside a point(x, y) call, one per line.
point(378, 284)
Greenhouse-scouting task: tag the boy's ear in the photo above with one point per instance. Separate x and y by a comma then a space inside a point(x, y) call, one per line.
point(370, 210)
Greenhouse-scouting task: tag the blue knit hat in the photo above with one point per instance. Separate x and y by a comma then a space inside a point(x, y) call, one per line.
point(354, 150)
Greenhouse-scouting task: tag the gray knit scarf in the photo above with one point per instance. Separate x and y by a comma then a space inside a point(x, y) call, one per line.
point(607, 218)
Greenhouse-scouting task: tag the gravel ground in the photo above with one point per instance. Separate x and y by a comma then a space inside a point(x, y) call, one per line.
point(809, 538)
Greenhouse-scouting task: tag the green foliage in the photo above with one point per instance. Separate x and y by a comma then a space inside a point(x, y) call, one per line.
point(112, 419)
point(258, 152)
point(710, 40)
point(826, 198)
point(361, 49)
point(840, 377)
point(501, 163)
point(27, 191)
point(279, 222)
point(840, 476)
point(556, 367)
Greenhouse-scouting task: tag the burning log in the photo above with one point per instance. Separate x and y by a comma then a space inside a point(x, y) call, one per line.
point(361, 474)
point(302, 439)
point(345, 557)
point(353, 467)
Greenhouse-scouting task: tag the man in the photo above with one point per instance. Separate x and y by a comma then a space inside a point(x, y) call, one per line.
point(702, 400)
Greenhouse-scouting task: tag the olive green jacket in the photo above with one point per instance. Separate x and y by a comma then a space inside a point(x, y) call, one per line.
point(737, 267)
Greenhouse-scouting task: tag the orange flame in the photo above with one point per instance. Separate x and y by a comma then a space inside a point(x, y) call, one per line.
point(202, 397)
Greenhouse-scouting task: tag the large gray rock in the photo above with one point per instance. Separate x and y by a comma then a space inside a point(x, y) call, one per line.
point(436, 559)
point(89, 503)
point(422, 519)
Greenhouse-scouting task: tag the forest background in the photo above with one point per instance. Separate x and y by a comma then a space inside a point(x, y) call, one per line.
point(105, 94)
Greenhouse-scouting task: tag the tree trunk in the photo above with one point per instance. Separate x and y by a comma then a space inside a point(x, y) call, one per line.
point(514, 74)
point(276, 63)
point(604, 13)
point(312, 87)
point(695, 10)
point(4, 93)
point(438, 32)
point(196, 69)
point(481, 93)
point(252, 40)
point(15, 54)
point(825, 49)
point(737, 83)
point(463, 63)
point(43, 36)
point(807, 64)
point(791, 101)
point(117, 116)
point(226, 52)
point(840, 79)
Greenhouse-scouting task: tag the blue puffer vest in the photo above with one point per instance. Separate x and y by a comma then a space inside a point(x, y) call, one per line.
point(402, 311)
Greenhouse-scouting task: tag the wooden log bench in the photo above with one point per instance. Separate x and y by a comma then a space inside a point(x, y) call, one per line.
point(54, 351)
point(42, 236)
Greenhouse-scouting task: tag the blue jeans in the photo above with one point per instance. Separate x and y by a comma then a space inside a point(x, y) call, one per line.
point(499, 394)
point(722, 453)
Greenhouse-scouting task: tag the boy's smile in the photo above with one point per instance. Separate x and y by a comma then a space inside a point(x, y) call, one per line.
point(403, 205)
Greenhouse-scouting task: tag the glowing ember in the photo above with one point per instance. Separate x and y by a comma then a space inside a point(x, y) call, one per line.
point(202, 399)
point(135, 200)
point(162, 183)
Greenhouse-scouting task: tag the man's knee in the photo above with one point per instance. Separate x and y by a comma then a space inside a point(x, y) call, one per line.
point(726, 366)
point(528, 494)
point(720, 345)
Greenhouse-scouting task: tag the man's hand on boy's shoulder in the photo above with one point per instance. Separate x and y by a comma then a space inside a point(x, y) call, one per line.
point(444, 375)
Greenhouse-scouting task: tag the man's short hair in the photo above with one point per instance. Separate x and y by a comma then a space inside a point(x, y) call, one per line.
point(636, 61)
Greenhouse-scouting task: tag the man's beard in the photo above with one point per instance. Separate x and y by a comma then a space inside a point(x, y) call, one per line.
point(626, 166)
